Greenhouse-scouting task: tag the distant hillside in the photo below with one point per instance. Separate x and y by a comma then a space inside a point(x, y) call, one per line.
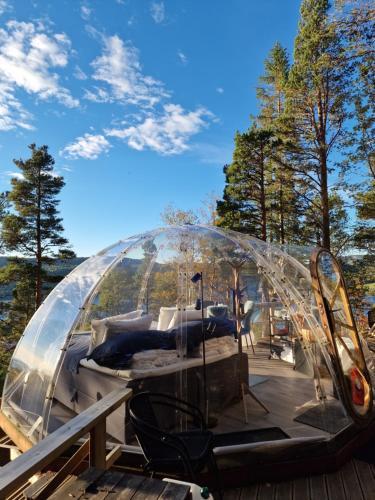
point(59, 268)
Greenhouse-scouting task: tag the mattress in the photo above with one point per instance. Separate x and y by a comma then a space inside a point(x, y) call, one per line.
point(156, 362)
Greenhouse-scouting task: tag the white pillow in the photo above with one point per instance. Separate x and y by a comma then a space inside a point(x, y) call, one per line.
point(182, 316)
point(99, 326)
point(128, 325)
point(165, 316)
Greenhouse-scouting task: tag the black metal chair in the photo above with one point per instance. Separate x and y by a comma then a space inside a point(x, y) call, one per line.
point(165, 451)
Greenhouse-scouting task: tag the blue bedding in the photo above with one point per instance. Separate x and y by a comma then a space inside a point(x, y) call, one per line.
point(117, 352)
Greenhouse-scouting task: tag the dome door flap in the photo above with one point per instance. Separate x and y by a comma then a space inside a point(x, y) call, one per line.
point(341, 330)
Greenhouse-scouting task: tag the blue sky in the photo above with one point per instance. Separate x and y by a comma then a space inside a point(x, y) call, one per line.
point(137, 100)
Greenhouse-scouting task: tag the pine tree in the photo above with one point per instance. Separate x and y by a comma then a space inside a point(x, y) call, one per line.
point(311, 230)
point(354, 21)
point(283, 199)
point(316, 104)
point(18, 311)
point(245, 206)
point(33, 228)
point(271, 93)
point(4, 208)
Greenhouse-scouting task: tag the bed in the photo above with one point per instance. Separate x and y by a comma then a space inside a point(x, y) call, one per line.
point(82, 381)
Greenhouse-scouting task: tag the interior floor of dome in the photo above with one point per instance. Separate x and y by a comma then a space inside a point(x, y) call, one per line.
point(287, 393)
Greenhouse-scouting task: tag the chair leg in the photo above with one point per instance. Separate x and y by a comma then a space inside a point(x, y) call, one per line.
point(251, 341)
point(215, 470)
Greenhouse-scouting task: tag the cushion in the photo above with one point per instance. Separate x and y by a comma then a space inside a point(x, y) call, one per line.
point(99, 326)
point(183, 316)
point(115, 327)
point(117, 352)
point(165, 316)
point(214, 328)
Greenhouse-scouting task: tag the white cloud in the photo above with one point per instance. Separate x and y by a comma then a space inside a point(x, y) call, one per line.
point(79, 74)
point(27, 54)
point(3, 6)
point(157, 11)
point(182, 57)
point(97, 95)
point(168, 133)
point(213, 154)
point(85, 12)
point(12, 113)
point(15, 175)
point(220, 90)
point(120, 69)
point(89, 147)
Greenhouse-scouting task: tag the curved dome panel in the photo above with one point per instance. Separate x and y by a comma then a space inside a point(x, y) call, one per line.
point(29, 385)
point(162, 283)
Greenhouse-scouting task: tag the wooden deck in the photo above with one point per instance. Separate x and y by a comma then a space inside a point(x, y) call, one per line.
point(283, 390)
point(99, 484)
point(354, 481)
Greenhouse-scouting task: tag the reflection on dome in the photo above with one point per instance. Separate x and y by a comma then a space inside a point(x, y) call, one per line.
point(242, 336)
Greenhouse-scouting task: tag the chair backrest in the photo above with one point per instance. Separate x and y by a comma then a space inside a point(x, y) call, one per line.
point(151, 438)
point(158, 444)
point(140, 406)
point(217, 311)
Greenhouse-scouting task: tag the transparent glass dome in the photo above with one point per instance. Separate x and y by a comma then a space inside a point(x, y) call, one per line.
point(260, 322)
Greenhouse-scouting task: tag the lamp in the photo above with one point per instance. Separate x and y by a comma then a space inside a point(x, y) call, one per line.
point(197, 277)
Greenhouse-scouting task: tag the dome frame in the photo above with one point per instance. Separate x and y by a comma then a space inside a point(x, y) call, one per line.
point(30, 385)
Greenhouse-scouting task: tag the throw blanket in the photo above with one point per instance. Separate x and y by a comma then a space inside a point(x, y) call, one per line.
point(117, 352)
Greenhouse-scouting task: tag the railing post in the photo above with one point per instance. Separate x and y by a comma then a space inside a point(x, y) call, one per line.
point(97, 445)
point(92, 420)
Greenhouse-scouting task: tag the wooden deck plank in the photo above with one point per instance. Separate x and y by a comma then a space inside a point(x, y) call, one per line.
point(77, 486)
point(301, 489)
point(335, 487)
point(350, 480)
point(149, 489)
point(126, 488)
point(318, 488)
point(266, 491)
point(284, 491)
point(233, 494)
point(372, 467)
point(365, 478)
point(105, 484)
point(250, 493)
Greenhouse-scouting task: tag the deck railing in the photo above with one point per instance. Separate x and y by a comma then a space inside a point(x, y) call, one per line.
point(92, 421)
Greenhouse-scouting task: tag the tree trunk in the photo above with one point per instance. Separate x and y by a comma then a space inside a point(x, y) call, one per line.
point(38, 284)
point(263, 199)
point(326, 240)
point(282, 215)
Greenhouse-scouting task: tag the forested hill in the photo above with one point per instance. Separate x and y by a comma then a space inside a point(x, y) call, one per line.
point(58, 268)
